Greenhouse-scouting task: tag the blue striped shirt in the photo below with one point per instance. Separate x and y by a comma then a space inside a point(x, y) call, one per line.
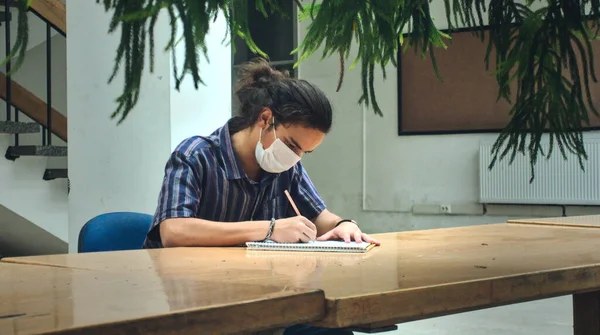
point(204, 179)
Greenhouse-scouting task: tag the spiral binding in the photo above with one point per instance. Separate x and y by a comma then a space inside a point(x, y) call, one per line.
point(305, 247)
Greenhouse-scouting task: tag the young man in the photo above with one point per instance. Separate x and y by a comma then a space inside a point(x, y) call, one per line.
point(228, 188)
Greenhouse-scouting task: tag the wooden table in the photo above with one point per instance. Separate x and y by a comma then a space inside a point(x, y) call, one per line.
point(413, 275)
point(50, 300)
point(582, 221)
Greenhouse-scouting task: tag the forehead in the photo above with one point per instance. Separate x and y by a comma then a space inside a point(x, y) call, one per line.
point(308, 138)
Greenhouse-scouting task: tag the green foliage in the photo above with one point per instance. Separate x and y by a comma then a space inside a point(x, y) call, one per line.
point(377, 28)
point(546, 51)
point(17, 52)
point(190, 22)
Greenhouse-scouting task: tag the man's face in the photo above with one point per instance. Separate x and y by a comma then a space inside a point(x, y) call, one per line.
point(298, 138)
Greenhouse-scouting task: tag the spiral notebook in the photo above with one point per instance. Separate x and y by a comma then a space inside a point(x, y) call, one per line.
point(312, 246)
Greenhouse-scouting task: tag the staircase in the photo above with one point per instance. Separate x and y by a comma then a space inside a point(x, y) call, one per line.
point(33, 136)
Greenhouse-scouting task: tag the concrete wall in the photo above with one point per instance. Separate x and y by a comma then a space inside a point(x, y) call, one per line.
point(21, 237)
point(25, 199)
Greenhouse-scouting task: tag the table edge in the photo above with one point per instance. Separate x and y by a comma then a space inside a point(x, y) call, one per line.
point(211, 319)
point(445, 299)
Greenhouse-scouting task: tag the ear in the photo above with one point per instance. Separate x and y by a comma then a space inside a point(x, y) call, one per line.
point(264, 118)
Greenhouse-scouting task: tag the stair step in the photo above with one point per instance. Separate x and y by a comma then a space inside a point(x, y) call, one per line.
point(12, 127)
point(51, 174)
point(4, 16)
point(14, 152)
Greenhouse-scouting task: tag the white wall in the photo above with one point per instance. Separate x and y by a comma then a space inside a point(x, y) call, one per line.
point(201, 111)
point(111, 168)
point(26, 194)
point(402, 174)
point(120, 167)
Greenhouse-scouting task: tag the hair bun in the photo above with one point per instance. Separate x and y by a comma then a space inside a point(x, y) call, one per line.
point(263, 74)
point(292, 101)
point(258, 73)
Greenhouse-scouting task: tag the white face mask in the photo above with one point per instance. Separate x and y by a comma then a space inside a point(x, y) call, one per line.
point(277, 158)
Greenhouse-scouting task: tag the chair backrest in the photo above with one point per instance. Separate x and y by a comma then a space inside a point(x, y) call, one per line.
point(114, 231)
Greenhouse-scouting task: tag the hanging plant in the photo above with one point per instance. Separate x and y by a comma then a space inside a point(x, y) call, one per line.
point(547, 51)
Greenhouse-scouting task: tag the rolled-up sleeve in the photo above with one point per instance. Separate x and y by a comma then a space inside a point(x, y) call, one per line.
point(180, 193)
point(305, 195)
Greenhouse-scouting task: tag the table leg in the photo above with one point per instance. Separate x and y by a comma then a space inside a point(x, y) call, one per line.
point(586, 313)
point(372, 328)
point(277, 331)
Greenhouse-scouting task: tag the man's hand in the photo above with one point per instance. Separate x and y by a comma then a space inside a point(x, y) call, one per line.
point(347, 231)
point(294, 229)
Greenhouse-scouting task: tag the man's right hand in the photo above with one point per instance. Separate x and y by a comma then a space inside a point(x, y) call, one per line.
point(294, 229)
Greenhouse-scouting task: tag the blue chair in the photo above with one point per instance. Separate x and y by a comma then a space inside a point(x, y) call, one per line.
point(114, 231)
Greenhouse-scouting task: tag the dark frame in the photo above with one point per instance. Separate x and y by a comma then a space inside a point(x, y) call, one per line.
point(445, 132)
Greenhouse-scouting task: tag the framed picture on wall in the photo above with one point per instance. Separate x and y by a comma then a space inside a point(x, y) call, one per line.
point(466, 99)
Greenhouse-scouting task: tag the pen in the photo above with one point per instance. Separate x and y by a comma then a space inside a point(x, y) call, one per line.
point(287, 194)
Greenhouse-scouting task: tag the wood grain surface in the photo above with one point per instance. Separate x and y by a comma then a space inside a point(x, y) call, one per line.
point(54, 11)
point(582, 221)
point(412, 275)
point(34, 107)
point(55, 300)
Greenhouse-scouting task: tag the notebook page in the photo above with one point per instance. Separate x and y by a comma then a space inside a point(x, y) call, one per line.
point(328, 244)
point(311, 246)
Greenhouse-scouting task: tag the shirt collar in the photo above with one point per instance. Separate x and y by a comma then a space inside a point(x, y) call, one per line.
point(233, 166)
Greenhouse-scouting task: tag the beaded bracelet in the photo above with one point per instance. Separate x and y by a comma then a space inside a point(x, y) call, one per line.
point(271, 228)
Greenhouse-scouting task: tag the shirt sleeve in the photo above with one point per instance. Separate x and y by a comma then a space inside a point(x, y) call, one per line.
point(305, 195)
point(179, 195)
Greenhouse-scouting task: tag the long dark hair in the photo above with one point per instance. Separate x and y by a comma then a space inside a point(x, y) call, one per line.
point(292, 101)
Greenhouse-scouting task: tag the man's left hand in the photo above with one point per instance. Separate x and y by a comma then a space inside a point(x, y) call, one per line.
point(347, 231)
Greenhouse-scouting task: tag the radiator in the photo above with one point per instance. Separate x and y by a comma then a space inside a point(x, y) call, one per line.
point(556, 182)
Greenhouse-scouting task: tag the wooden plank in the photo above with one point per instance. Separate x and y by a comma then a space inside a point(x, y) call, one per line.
point(54, 11)
point(412, 275)
point(582, 221)
point(586, 313)
point(52, 300)
point(34, 107)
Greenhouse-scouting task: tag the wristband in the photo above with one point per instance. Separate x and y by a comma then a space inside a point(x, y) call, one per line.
point(271, 228)
point(346, 220)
